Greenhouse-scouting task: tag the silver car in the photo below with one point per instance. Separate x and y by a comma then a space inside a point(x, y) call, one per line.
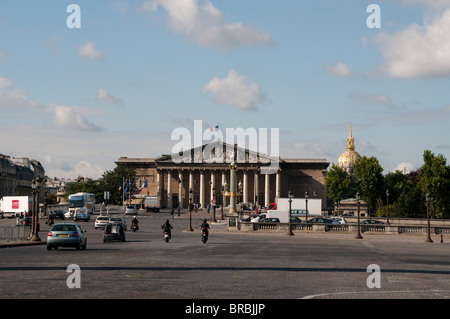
point(66, 235)
point(131, 210)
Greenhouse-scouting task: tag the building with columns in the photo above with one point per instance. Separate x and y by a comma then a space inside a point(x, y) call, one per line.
point(260, 182)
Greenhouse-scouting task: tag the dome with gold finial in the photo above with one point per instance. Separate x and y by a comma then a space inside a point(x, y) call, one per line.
point(348, 158)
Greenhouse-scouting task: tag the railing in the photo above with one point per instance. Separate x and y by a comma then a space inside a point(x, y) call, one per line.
point(344, 228)
point(11, 233)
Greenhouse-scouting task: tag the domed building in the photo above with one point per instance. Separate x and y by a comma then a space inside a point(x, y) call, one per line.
point(348, 158)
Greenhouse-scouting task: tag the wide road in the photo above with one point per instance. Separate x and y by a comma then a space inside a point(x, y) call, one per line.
point(231, 264)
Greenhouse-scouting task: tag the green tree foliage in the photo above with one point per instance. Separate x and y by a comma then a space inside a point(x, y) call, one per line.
point(369, 180)
point(435, 180)
point(337, 183)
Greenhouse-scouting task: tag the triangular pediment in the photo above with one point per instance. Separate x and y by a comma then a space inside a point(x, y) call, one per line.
point(218, 152)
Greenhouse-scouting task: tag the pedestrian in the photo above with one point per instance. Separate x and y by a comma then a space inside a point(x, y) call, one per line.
point(207, 208)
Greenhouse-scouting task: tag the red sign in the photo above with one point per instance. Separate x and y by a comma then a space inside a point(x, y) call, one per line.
point(15, 204)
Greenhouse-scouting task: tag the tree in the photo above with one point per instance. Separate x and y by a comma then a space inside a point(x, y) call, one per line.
point(369, 180)
point(435, 180)
point(112, 180)
point(337, 183)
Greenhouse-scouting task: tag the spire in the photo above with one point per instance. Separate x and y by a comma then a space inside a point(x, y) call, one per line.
point(350, 141)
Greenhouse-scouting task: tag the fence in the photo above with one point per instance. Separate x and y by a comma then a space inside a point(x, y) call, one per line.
point(12, 233)
point(344, 228)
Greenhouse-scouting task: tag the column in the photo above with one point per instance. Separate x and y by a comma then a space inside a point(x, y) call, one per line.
point(278, 185)
point(267, 190)
point(180, 188)
point(212, 184)
point(159, 191)
point(169, 189)
point(224, 179)
point(245, 187)
point(202, 189)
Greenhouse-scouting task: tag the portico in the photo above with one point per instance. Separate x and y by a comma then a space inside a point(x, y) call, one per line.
point(172, 181)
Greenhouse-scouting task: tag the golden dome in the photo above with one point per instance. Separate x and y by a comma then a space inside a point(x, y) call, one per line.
point(348, 158)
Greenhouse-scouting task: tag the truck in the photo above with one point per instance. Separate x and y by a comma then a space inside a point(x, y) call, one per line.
point(80, 200)
point(15, 206)
point(151, 203)
point(298, 208)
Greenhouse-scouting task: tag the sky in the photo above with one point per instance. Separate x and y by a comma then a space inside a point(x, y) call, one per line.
point(79, 91)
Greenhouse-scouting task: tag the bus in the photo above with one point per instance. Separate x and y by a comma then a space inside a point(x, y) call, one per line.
point(86, 200)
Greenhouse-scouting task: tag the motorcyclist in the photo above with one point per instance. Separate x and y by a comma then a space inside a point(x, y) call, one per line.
point(135, 221)
point(205, 226)
point(167, 227)
point(50, 219)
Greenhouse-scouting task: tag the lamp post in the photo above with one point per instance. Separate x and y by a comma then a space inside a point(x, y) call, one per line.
point(290, 195)
point(36, 185)
point(427, 199)
point(214, 207)
point(306, 204)
point(190, 209)
point(224, 190)
point(358, 234)
point(387, 207)
point(233, 188)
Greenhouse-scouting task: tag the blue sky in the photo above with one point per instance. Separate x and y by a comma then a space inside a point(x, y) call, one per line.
point(78, 99)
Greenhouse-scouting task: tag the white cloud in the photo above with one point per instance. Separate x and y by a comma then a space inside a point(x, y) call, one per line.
point(405, 167)
point(88, 50)
point(12, 97)
point(205, 25)
point(69, 117)
point(418, 51)
point(233, 90)
point(340, 69)
point(105, 97)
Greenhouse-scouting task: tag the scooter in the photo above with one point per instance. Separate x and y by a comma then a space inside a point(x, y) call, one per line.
point(166, 236)
point(204, 235)
point(134, 227)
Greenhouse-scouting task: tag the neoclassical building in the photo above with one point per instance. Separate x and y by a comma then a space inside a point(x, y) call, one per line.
point(171, 177)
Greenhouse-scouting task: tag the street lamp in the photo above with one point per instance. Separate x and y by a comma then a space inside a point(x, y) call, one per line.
point(427, 199)
point(36, 185)
point(387, 207)
point(224, 190)
point(290, 195)
point(190, 209)
point(214, 198)
point(358, 235)
point(306, 204)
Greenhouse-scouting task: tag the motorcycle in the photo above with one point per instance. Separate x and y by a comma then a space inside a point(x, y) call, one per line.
point(50, 222)
point(134, 227)
point(166, 236)
point(204, 235)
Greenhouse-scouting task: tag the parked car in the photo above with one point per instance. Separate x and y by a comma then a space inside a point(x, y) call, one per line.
point(322, 220)
point(340, 220)
point(131, 210)
point(295, 220)
point(66, 235)
point(114, 231)
point(269, 220)
point(372, 222)
point(119, 220)
point(101, 222)
point(27, 221)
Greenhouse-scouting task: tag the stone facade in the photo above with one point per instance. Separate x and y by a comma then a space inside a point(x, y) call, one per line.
point(16, 176)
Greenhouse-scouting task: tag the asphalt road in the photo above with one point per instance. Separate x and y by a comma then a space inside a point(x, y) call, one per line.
point(231, 265)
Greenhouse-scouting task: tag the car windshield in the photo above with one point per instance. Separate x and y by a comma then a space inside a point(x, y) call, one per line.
point(63, 228)
point(102, 218)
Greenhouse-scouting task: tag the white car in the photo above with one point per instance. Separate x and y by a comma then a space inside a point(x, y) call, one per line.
point(101, 222)
point(131, 210)
point(339, 220)
point(82, 214)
